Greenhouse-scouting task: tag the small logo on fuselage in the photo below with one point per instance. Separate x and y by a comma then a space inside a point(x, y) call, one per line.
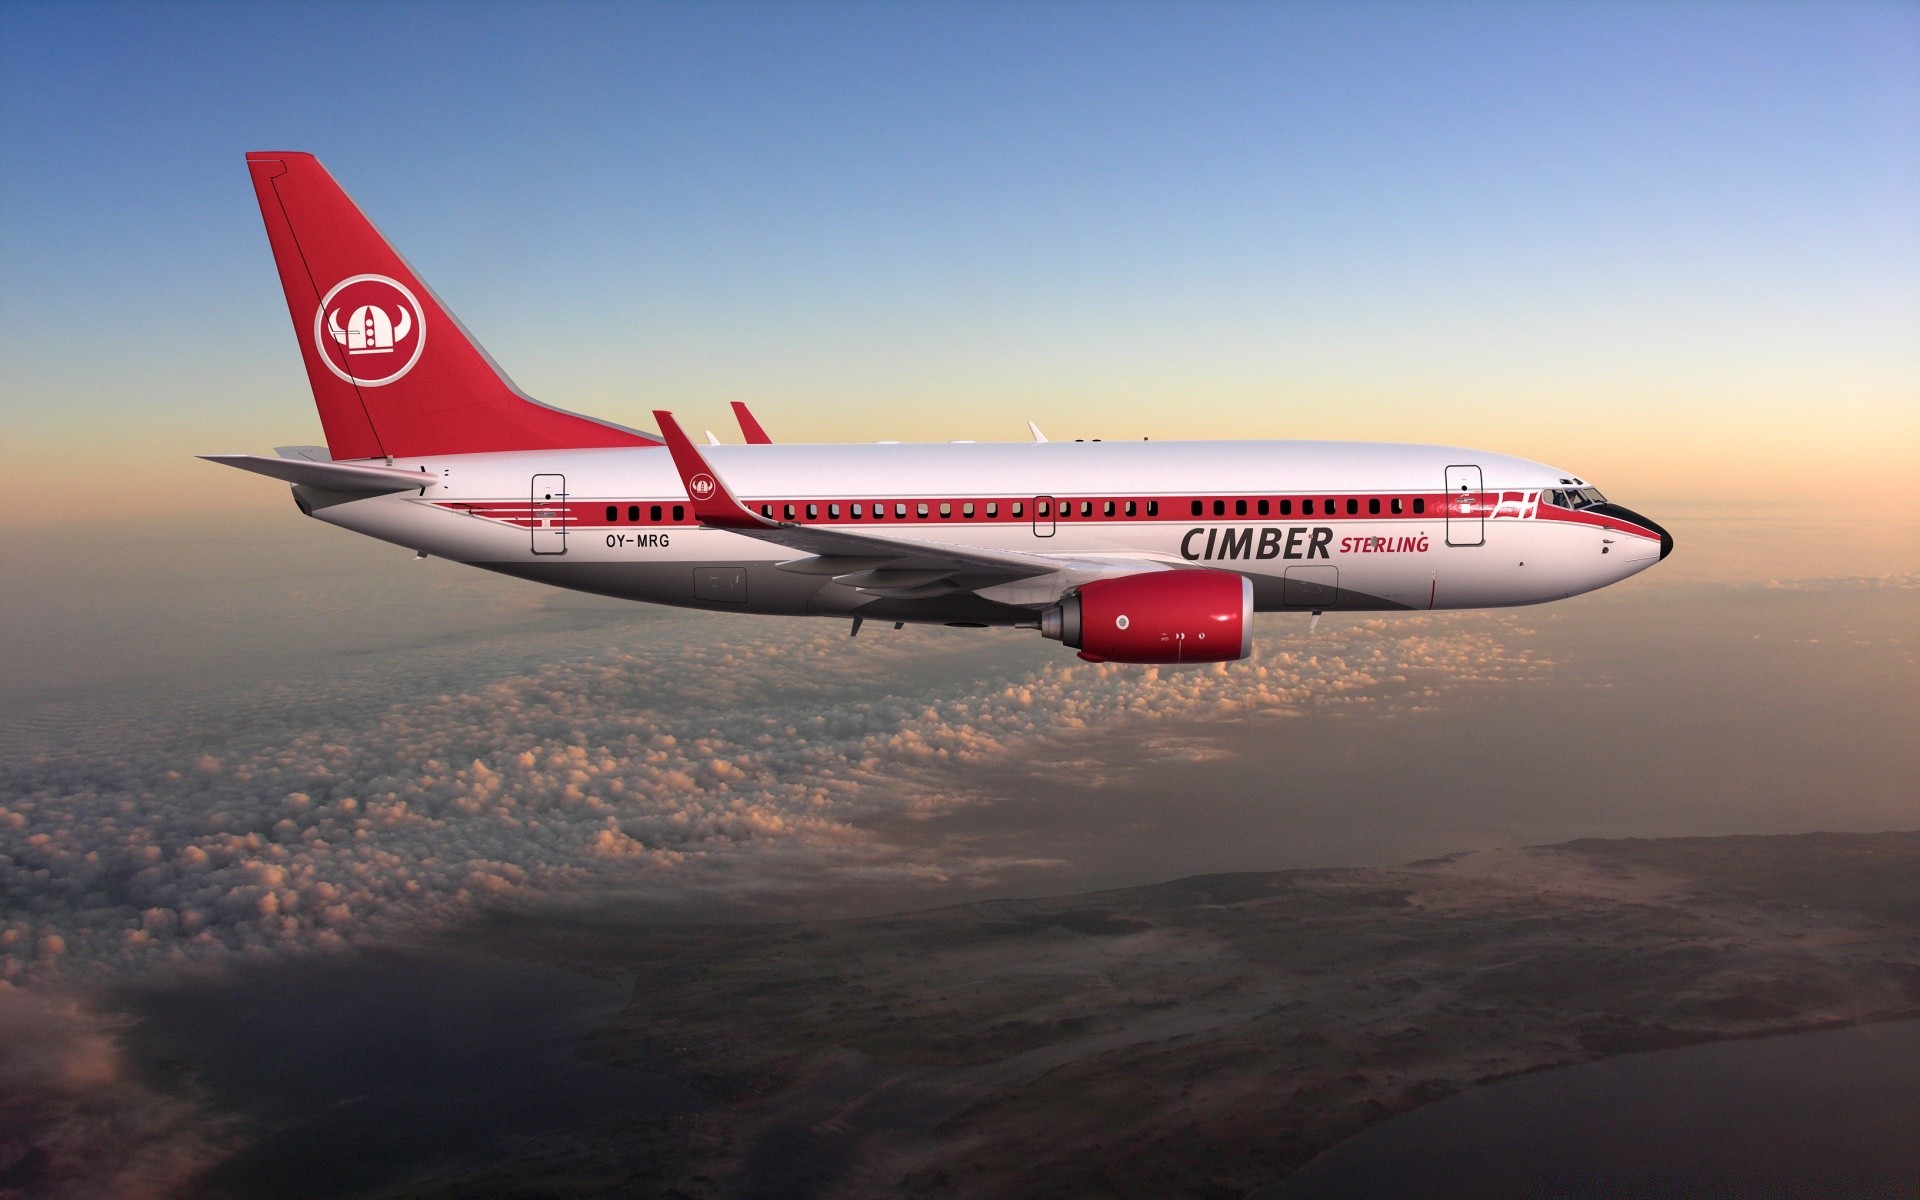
point(369, 330)
point(702, 487)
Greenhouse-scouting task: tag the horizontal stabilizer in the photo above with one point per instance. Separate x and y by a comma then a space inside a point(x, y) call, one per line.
point(332, 476)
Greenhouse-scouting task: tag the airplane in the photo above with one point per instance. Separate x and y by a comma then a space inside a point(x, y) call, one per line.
point(1127, 551)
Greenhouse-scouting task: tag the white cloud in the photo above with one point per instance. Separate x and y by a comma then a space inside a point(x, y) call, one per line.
point(306, 818)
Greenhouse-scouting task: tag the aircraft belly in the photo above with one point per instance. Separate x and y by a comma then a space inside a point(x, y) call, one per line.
point(762, 588)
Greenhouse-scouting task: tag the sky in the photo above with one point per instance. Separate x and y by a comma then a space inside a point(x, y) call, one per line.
point(1675, 248)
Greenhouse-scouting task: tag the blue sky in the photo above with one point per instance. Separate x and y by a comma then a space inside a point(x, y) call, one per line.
point(1677, 244)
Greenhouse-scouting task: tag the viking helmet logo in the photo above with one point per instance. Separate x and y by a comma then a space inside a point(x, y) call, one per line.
point(369, 330)
point(702, 486)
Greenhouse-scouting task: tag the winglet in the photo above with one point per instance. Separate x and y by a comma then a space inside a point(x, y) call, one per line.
point(1037, 435)
point(713, 503)
point(749, 427)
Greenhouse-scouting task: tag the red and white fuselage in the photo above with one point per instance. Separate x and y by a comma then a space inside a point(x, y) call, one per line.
point(1132, 550)
point(1314, 525)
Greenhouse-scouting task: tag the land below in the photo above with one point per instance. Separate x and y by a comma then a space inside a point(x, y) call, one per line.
point(1197, 1038)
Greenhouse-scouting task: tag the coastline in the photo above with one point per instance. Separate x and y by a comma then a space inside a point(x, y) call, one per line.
point(1216, 1032)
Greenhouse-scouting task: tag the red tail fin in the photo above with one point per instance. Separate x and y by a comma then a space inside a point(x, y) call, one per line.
point(393, 373)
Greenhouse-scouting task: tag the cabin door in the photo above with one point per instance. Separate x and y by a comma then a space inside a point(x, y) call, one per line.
point(1466, 507)
point(549, 514)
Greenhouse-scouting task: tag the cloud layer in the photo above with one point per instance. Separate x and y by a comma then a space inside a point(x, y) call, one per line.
point(312, 817)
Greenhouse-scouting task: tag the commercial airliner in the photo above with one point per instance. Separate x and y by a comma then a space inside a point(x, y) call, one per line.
point(1138, 552)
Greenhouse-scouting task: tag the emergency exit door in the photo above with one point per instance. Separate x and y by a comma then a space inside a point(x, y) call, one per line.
point(1466, 507)
point(549, 514)
point(1043, 516)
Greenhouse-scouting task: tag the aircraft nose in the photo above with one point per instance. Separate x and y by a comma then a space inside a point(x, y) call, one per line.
point(1627, 514)
point(1666, 539)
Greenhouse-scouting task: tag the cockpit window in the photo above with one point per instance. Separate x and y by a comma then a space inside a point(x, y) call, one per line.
point(1576, 498)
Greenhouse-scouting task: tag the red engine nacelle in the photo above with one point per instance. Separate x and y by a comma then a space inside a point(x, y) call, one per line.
point(1158, 617)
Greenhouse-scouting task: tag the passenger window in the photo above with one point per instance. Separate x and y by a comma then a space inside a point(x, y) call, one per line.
point(653, 514)
point(1306, 508)
point(813, 512)
point(1263, 508)
point(1419, 504)
point(1197, 508)
point(900, 512)
point(1086, 508)
point(1131, 509)
point(1219, 508)
point(788, 509)
point(946, 511)
point(966, 510)
point(920, 511)
point(679, 512)
point(833, 512)
point(1020, 508)
point(1153, 508)
point(613, 513)
point(1332, 507)
point(993, 509)
point(1373, 506)
point(1041, 509)
point(633, 512)
point(1286, 508)
point(1239, 508)
point(854, 511)
point(1107, 509)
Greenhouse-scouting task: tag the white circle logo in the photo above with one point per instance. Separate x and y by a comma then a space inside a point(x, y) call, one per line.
point(369, 330)
point(1121, 622)
point(702, 486)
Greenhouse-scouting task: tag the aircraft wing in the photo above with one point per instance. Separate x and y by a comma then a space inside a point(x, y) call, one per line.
point(872, 561)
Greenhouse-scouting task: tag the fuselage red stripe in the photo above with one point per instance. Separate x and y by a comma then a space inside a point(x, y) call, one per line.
point(1062, 511)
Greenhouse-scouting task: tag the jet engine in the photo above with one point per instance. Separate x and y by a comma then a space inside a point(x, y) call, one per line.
point(1158, 617)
